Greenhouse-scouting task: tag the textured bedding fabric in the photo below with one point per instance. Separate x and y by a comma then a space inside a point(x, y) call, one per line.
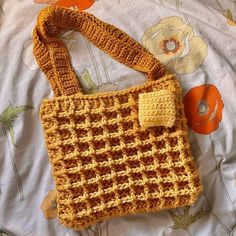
point(196, 40)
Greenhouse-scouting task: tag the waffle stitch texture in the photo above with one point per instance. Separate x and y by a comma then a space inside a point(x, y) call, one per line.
point(105, 164)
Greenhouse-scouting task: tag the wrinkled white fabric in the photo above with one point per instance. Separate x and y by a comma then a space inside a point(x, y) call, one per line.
point(208, 57)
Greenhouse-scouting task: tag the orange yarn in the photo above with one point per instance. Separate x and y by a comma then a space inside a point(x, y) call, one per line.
point(104, 163)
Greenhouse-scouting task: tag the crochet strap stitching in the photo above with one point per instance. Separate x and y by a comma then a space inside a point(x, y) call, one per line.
point(52, 55)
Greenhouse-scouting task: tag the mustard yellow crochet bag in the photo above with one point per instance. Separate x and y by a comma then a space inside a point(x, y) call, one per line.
point(113, 153)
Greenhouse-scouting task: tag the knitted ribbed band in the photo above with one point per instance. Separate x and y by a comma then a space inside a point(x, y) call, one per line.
point(52, 56)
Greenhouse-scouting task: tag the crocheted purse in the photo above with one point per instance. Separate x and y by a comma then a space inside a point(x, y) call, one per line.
point(113, 153)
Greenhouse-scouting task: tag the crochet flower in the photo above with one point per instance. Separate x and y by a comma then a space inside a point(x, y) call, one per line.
point(174, 44)
point(81, 4)
point(49, 205)
point(203, 107)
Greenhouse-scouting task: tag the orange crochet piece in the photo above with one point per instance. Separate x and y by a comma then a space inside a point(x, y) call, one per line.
point(104, 163)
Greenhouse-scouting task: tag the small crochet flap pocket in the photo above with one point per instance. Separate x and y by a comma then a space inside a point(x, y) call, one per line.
point(157, 109)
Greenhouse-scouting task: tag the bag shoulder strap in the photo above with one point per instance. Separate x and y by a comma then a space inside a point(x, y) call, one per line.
point(52, 55)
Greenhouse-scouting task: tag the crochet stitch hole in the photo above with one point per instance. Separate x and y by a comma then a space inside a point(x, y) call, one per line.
point(67, 149)
point(123, 192)
point(83, 146)
point(71, 163)
point(158, 130)
point(173, 141)
point(169, 201)
point(129, 139)
point(172, 129)
point(174, 156)
point(123, 99)
point(112, 128)
point(152, 188)
point(101, 157)
point(136, 95)
point(136, 176)
point(79, 207)
point(111, 114)
point(104, 170)
point(94, 201)
point(91, 188)
point(196, 181)
point(78, 191)
point(163, 172)
point(63, 120)
point(167, 186)
point(185, 140)
point(127, 206)
point(74, 177)
point(119, 167)
point(85, 160)
point(97, 131)
point(133, 164)
point(150, 174)
point(187, 153)
point(99, 144)
point(138, 189)
point(182, 184)
point(146, 147)
point(63, 211)
point(149, 90)
point(148, 160)
point(179, 170)
point(107, 183)
point(116, 155)
point(125, 112)
point(161, 157)
point(64, 133)
point(80, 119)
point(113, 210)
point(191, 166)
point(154, 203)
point(122, 179)
point(95, 117)
point(82, 132)
point(89, 174)
point(109, 197)
point(114, 141)
point(140, 204)
point(132, 151)
point(160, 144)
point(144, 135)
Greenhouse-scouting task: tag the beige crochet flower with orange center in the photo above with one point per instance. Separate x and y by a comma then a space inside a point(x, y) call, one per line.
point(174, 44)
point(49, 205)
